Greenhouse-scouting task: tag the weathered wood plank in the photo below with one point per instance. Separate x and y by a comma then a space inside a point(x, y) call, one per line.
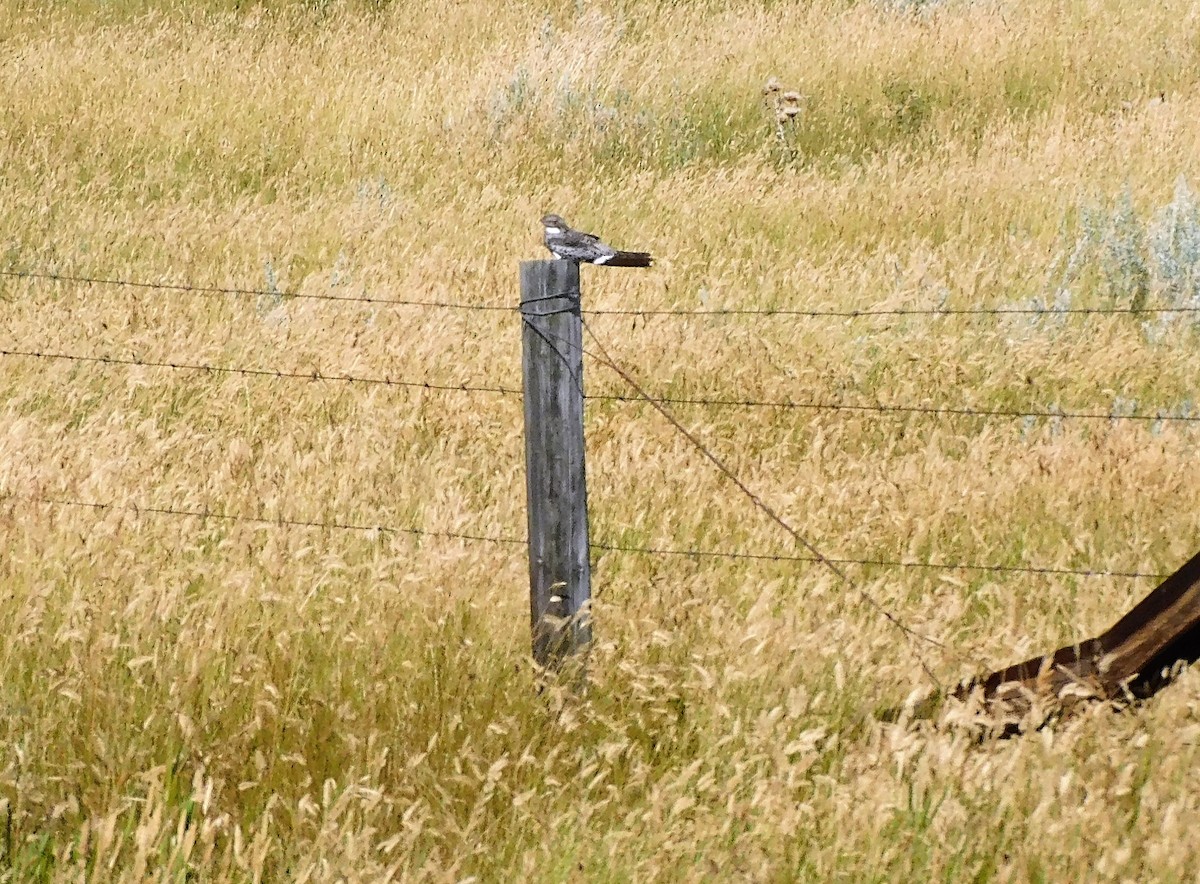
point(555, 475)
point(1132, 658)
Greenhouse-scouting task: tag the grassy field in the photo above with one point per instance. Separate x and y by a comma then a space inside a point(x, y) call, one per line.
point(205, 699)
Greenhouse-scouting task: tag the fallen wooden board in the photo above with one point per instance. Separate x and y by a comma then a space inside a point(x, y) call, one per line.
point(1134, 659)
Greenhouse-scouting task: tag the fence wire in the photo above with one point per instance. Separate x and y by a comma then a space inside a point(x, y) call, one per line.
point(276, 521)
point(935, 410)
point(878, 562)
point(715, 312)
point(597, 546)
point(248, 292)
point(869, 312)
point(500, 390)
point(704, 402)
point(313, 375)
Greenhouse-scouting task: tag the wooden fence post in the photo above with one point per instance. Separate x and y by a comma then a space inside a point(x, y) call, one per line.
point(555, 478)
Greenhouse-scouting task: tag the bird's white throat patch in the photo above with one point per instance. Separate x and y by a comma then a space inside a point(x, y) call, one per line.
point(553, 231)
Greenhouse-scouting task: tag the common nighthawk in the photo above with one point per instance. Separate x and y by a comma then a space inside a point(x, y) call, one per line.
point(574, 245)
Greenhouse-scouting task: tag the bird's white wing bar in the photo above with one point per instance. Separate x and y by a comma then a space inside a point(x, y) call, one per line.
point(564, 242)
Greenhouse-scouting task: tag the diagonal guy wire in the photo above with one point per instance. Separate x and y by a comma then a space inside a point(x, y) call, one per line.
point(605, 359)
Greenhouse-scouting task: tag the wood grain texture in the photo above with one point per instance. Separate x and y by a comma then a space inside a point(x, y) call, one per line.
point(556, 479)
point(1133, 659)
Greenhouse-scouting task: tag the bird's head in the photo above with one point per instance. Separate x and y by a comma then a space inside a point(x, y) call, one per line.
point(554, 223)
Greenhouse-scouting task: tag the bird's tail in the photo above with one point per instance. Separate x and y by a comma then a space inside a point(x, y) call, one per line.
point(629, 259)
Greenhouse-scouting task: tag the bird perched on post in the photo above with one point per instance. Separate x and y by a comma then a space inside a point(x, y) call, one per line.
point(574, 245)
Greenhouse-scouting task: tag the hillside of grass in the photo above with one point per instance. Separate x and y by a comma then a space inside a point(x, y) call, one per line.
point(272, 624)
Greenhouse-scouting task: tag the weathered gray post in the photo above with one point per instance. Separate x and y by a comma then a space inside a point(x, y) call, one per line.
point(555, 480)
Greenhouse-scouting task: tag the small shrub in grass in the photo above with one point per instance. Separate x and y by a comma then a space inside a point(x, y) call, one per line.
point(1174, 244)
point(1108, 256)
point(1129, 262)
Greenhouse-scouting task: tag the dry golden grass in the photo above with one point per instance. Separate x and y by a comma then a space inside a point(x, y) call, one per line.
point(200, 699)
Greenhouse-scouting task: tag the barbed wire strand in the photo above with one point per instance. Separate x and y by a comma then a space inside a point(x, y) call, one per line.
point(245, 292)
point(884, 563)
point(869, 312)
point(317, 375)
point(783, 312)
point(601, 546)
point(604, 358)
point(264, 520)
point(314, 375)
point(945, 410)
